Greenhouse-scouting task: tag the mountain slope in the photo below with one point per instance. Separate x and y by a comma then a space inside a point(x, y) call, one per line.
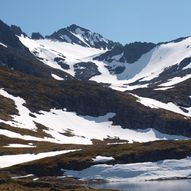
point(74, 102)
point(129, 67)
point(15, 56)
point(87, 99)
point(60, 55)
point(168, 62)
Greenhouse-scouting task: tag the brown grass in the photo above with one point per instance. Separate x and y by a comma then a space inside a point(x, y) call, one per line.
point(122, 153)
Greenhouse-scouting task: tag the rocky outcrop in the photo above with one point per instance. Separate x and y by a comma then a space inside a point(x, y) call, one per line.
point(61, 62)
point(7, 36)
point(36, 36)
point(85, 70)
point(17, 30)
point(129, 53)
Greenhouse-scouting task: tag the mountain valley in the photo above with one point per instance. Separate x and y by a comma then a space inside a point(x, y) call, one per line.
point(78, 107)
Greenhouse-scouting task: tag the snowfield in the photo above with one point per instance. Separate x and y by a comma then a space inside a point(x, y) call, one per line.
point(81, 129)
point(136, 172)
point(149, 66)
point(48, 50)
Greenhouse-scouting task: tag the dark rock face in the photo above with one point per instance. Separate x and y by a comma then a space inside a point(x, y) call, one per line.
point(116, 70)
point(90, 39)
point(153, 156)
point(7, 36)
point(130, 53)
point(119, 69)
point(85, 70)
point(60, 61)
point(17, 30)
point(133, 51)
point(64, 35)
point(107, 56)
point(36, 36)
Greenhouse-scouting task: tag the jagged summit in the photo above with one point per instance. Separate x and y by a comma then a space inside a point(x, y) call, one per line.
point(17, 30)
point(7, 36)
point(73, 28)
point(36, 36)
point(78, 35)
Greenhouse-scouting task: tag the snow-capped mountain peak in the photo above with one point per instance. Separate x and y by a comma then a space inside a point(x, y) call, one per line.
point(77, 35)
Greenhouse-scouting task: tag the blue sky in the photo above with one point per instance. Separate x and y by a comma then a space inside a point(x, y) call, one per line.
point(120, 20)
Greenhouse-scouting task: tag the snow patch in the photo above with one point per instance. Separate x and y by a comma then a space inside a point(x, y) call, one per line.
point(24, 137)
point(164, 88)
point(152, 103)
point(56, 77)
point(20, 177)
point(23, 120)
point(10, 160)
point(19, 146)
point(102, 159)
point(135, 172)
point(1, 44)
